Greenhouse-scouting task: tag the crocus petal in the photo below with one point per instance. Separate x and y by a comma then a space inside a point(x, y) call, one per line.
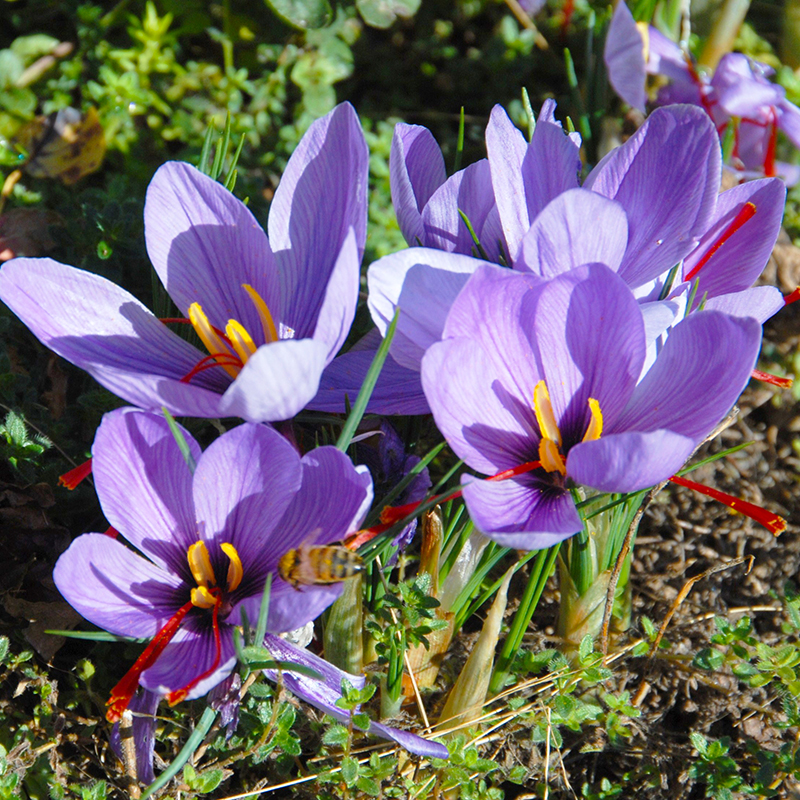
point(143, 707)
point(628, 462)
point(324, 692)
point(416, 167)
point(737, 263)
point(666, 215)
point(145, 486)
point(204, 243)
point(624, 57)
point(423, 283)
point(658, 316)
point(560, 238)
point(789, 121)
point(243, 484)
point(760, 303)
point(470, 192)
point(741, 92)
point(105, 330)
point(697, 377)
point(321, 196)
point(115, 588)
point(341, 297)
point(398, 390)
point(277, 381)
point(525, 515)
point(191, 653)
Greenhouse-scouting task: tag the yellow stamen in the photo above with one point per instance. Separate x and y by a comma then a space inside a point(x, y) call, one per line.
point(595, 428)
point(235, 569)
point(202, 598)
point(240, 340)
point(544, 413)
point(200, 565)
point(551, 457)
point(267, 323)
point(209, 337)
point(644, 30)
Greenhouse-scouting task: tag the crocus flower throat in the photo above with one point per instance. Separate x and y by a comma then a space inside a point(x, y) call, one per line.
point(550, 454)
point(206, 595)
point(231, 348)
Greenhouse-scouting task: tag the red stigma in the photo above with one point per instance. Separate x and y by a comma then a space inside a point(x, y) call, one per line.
point(72, 478)
point(772, 522)
point(792, 298)
point(775, 380)
point(213, 360)
point(122, 693)
point(772, 145)
point(746, 213)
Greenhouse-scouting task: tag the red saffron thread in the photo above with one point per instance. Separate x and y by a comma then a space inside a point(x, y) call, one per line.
point(772, 145)
point(72, 478)
point(775, 380)
point(772, 522)
point(213, 360)
point(792, 298)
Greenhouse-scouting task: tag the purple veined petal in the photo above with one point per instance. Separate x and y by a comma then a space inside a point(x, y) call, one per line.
point(560, 239)
point(789, 121)
point(324, 692)
point(470, 191)
point(341, 297)
point(143, 706)
point(486, 423)
point(759, 302)
point(666, 58)
point(416, 168)
point(525, 514)
point(243, 484)
point(105, 330)
point(145, 486)
point(737, 263)
point(739, 91)
point(191, 653)
point(115, 588)
point(506, 148)
point(204, 243)
point(322, 194)
point(277, 381)
point(589, 333)
point(666, 176)
point(423, 283)
point(625, 58)
point(491, 237)
point(290, 608)
point(658, 315)
point(706, 362)
point(629, 461)
point(398, 390)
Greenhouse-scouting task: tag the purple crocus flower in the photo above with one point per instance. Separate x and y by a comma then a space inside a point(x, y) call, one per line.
point(271, 313)
point(543, 378)
point(207, 541)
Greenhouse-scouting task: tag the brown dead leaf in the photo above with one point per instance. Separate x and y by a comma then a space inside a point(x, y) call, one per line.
point(26, 232)
point(41, 617)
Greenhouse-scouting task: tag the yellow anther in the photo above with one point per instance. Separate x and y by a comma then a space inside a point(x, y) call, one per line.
point(202, 598)
point(200, 565)
point(550, 456)
point(240, 340)
point(544, 413)
point(235, 569)
point(267, 323)
point(595, 428)
point(211, 339)
point(644, 30)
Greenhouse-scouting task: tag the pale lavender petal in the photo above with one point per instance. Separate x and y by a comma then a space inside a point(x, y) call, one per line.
point(324, 692)
point(290, 608)
point(423, 283)
point(706, 362)
point(666, 176)
point(116, 589)
point(630, 461)
point(506, 148)
point(341, 298)
point(277, 381)
point(789, 121)
point(666, 58)
point(191, 653)
point(469, 191)
point(741, 258)
point(143, 706)
point(105, 330)
point(624, 57)
point(416, 167)
point(321, 196)
point(204, 244)
point(658, 316)
point(145, 486)
point(560, 238)
point(739, 91)
point(243, 484)
point(760, 303)
point(525, 514)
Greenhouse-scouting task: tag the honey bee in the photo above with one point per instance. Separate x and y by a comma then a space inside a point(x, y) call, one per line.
point(320, 564)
